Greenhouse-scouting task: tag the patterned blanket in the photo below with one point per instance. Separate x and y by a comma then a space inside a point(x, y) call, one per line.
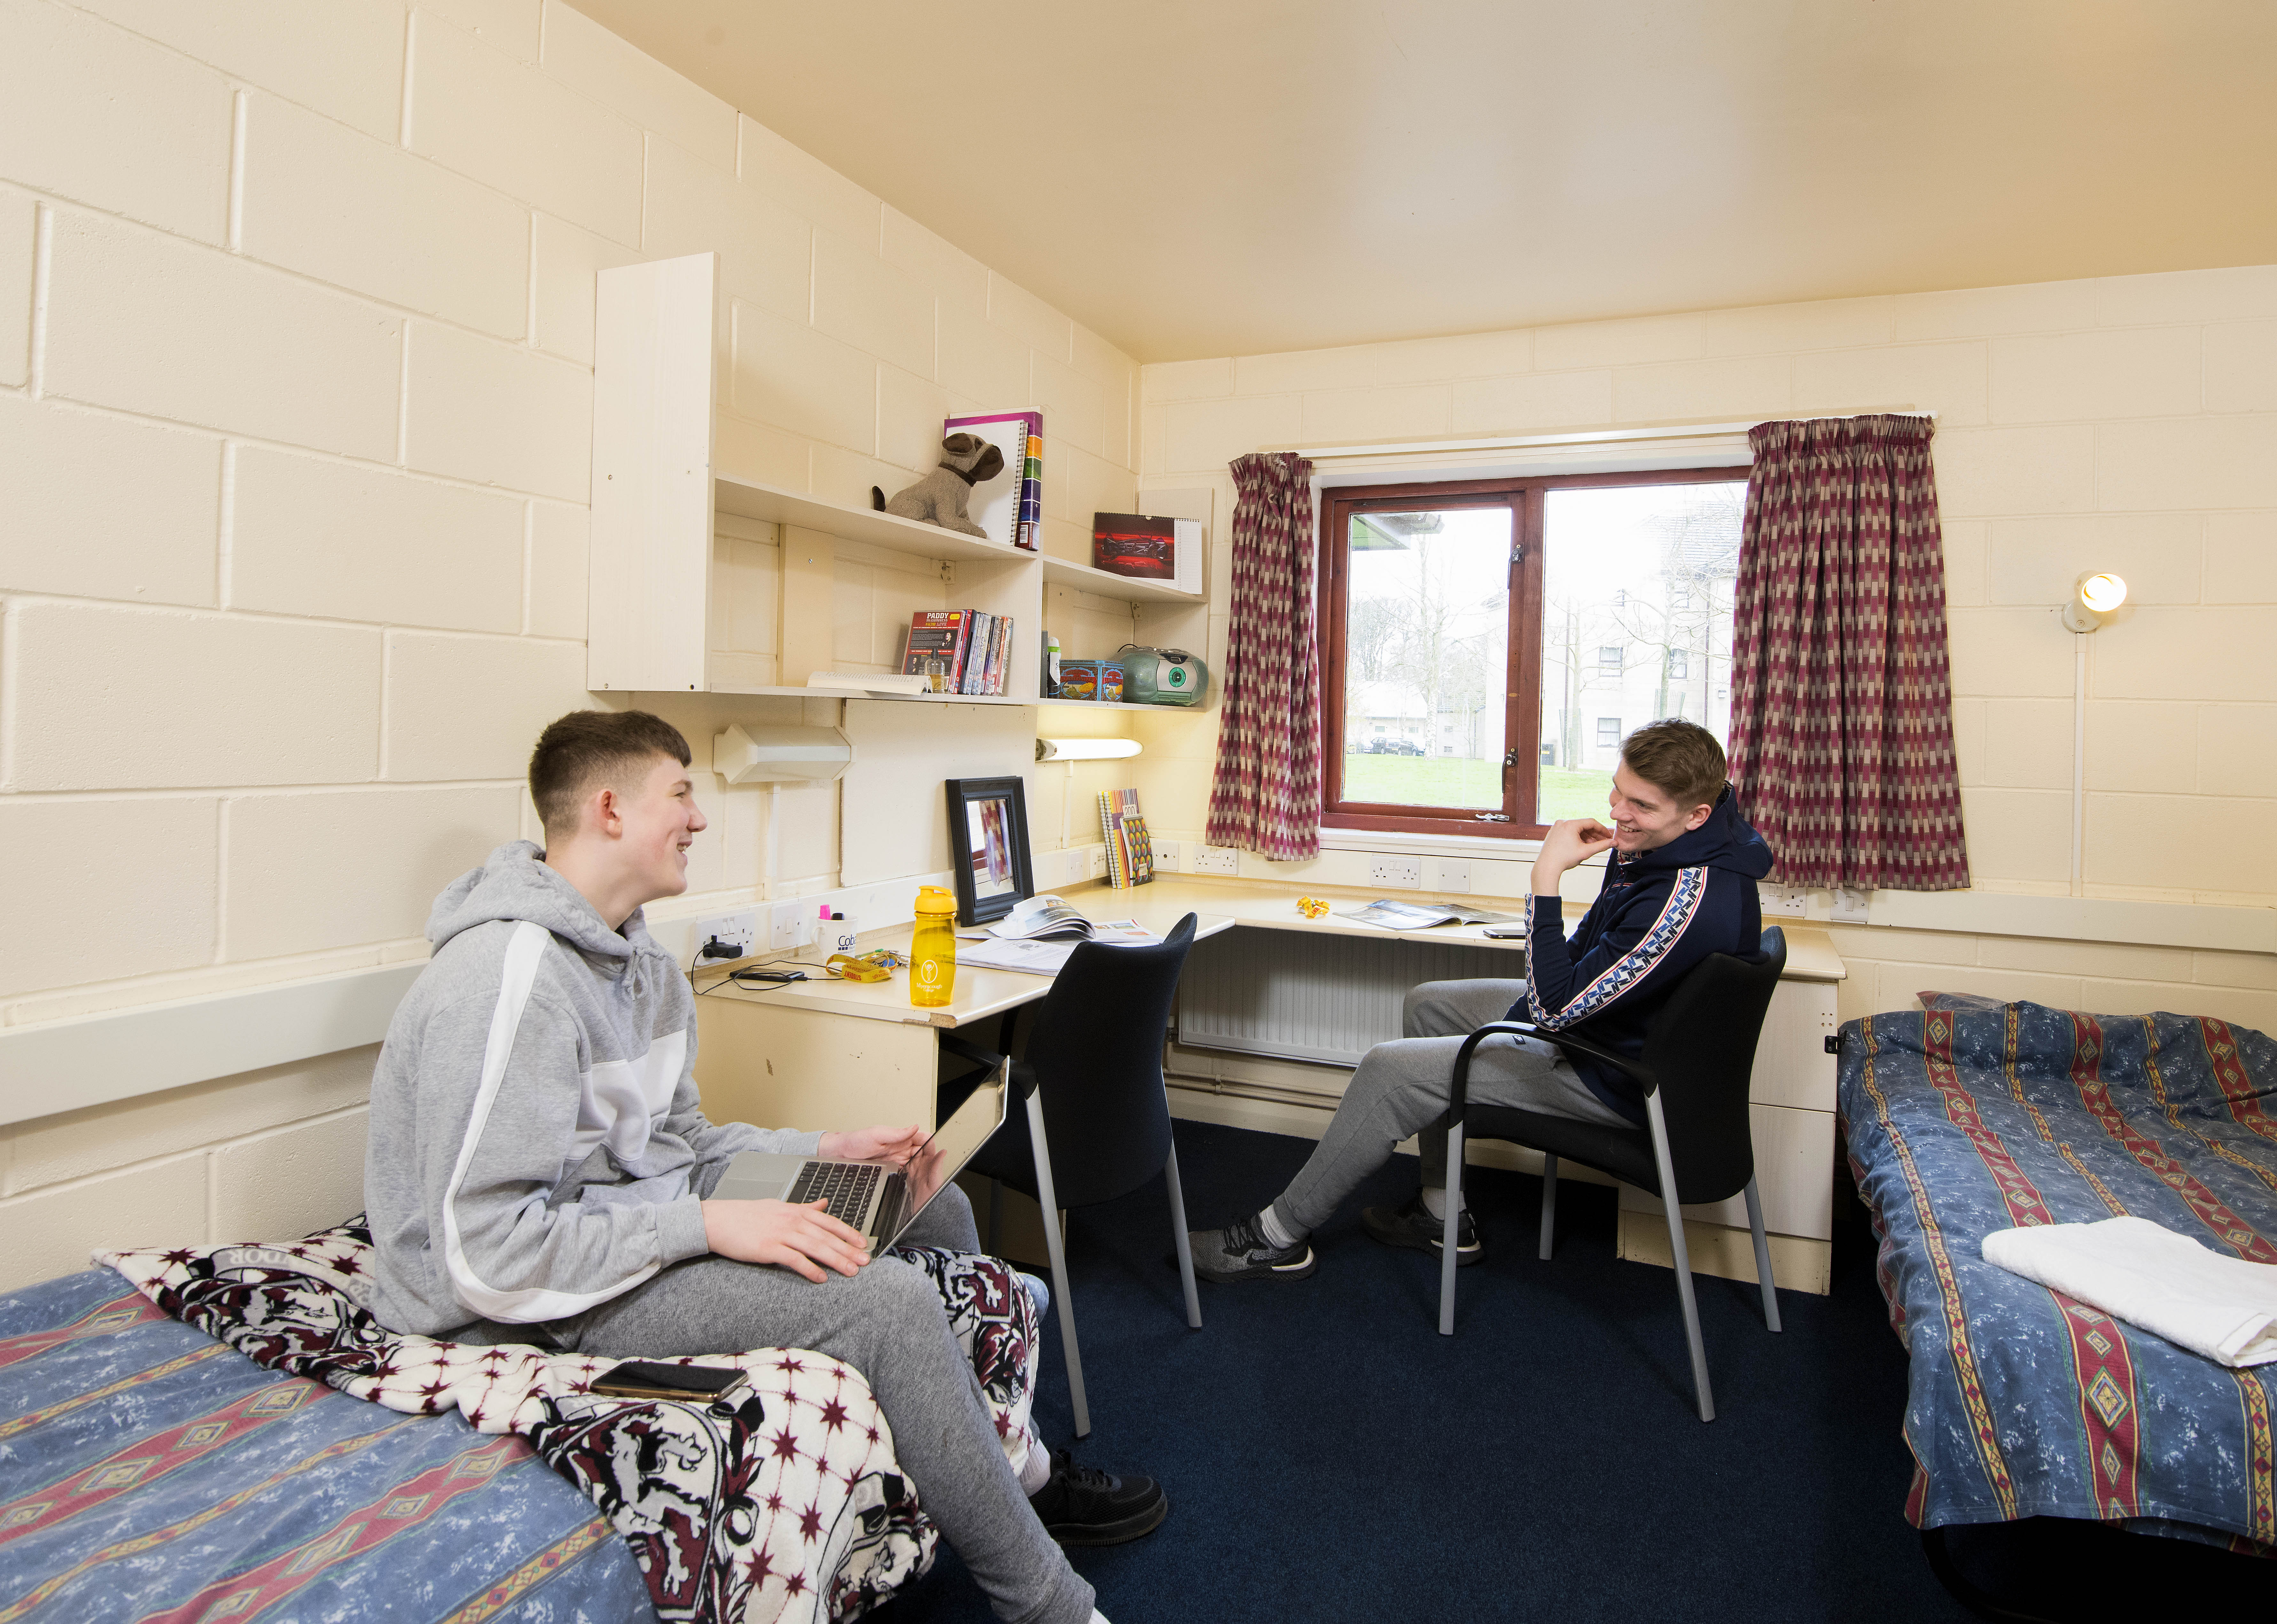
point(1970, 1116)
point(782, 1502)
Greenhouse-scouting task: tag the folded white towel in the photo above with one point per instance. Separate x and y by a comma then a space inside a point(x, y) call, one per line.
point(2135, 1270)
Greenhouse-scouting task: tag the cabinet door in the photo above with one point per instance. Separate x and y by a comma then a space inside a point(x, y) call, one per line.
point(650, 575)
point(1793, 1068)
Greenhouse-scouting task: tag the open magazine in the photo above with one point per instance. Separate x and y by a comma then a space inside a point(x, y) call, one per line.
point(1047, 918)
point(1420, 916)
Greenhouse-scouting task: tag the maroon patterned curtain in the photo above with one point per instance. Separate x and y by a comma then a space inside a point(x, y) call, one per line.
point(1841, 736)
point(1266, 797)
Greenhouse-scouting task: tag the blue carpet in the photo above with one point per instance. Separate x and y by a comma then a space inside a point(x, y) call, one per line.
point(1328, 1456)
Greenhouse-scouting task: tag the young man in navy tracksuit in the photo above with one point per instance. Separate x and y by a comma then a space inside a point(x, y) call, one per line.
point(1679, 885)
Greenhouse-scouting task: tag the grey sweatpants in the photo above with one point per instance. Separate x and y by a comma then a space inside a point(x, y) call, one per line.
point(1401, 1087)
point(885, 1321)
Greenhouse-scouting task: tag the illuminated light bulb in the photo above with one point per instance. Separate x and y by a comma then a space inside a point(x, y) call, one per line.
point(2095, 597)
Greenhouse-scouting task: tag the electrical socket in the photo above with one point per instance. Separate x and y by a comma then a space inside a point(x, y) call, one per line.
point(1397, 871)
point(1216, 860)
point(741, 928)
point(1849, 906)
point(1783, 900)
point(782, 925)
point(1098, 861)
point(1453, 875)
point(1166, 856)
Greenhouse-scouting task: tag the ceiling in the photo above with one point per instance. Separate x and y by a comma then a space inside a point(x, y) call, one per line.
point(1194, 178)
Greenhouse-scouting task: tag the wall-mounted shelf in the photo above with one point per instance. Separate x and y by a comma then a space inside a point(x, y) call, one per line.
point(689, 591)
point(1106, 583)
point(778, 691)
point(771, 504)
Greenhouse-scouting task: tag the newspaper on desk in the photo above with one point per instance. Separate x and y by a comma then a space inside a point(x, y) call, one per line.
point(1033, 956)
point(1419, 916)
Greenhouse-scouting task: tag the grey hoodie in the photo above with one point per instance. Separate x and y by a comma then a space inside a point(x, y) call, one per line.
point(537, 1144)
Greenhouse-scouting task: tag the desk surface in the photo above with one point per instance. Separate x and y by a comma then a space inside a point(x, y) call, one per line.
point(979, 994)
point(1217, 905)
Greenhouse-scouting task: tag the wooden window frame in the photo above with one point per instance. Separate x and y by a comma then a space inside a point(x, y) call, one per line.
point(1526, 495)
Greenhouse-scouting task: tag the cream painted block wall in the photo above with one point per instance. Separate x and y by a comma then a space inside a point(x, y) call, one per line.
point(295, 374)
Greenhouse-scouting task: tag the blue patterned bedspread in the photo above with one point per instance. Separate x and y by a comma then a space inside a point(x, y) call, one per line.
point(1971, 1117)
point(149, 1473)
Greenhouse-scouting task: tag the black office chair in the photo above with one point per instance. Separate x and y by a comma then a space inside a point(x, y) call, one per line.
point(1699, 1052)
point(1097, 1124)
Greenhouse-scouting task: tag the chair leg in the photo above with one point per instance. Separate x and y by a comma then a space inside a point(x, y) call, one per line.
point(1762, 1257)
point(1049, 1201)
point(1185, 1248)
point(995, 1213)
point(1447, 1238)
point(1549, 1202)
point(1683, 1258)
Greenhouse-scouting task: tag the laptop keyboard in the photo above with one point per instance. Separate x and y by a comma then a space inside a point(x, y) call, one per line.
point(845, 1186)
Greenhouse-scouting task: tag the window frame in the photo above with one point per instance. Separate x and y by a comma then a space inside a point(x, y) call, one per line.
point(1526, 495)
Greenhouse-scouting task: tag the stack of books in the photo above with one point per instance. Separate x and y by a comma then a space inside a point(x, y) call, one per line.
point(1011, 507)
point(1130, 854)
point(959, 651)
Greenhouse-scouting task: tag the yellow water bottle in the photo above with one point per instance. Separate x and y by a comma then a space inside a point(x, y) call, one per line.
point(933, 949)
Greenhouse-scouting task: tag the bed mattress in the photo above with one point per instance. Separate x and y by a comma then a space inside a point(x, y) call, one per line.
point(150, 1472)
point(1968, 1116)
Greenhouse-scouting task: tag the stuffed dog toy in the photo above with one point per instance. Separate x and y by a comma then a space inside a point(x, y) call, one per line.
point(939, 497)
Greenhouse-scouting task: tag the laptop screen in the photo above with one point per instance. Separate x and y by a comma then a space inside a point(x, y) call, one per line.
point(953, 1144)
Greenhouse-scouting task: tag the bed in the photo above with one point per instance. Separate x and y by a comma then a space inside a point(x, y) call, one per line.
point(1969, 1116)
point(223, 1432)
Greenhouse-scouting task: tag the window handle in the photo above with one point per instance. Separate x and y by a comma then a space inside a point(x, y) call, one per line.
point(1510, 759)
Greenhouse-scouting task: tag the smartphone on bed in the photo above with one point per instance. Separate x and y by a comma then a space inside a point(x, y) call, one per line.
point(645, 1378)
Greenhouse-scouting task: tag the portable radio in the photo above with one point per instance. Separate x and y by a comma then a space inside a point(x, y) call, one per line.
point(1162, 676)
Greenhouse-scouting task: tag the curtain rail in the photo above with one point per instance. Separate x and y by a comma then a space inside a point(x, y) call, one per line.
point(1589, 436)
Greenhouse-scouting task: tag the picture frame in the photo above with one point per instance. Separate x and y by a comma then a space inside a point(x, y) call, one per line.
point(988, 847)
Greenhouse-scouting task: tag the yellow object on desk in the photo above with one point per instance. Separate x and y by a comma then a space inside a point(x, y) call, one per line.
point(1311, 907)
point(848, 968)
point(933, 948)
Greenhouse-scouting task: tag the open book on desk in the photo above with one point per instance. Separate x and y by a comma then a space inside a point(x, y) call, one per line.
point(1042, 956)
point(1049, 918)
point(1420, 916)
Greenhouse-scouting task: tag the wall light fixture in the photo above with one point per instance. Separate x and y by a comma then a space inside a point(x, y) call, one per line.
point(1085, 750)
point(2095, 597)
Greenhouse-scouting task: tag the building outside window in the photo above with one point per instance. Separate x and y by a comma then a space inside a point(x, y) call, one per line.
point(1462, 622)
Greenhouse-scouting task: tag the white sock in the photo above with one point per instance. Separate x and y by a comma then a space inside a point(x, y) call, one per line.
point(1273, 1232)
point(1036, 1470)
point(1434, 1202)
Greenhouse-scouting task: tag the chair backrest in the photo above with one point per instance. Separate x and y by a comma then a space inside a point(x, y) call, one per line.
point(1700, 1049)
point(1097, 1051)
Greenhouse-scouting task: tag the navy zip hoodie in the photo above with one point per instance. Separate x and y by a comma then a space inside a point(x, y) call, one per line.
point(1660, 912)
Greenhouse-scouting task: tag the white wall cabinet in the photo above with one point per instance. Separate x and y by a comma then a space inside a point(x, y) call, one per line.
point(702, 581)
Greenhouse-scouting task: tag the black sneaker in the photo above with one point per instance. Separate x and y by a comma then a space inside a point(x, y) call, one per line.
point(1413, 1225)
point(1083, 1505)
point(1241, 1252)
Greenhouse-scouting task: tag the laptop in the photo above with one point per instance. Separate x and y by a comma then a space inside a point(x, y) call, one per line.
point(880, 1201)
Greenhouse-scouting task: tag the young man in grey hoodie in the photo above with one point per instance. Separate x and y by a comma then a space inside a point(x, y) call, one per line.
point(539, 1167)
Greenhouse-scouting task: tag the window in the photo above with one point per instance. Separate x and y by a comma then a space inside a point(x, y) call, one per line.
point(1487, 620)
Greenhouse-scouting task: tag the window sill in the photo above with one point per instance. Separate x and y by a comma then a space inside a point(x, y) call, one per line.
point(1429, 845)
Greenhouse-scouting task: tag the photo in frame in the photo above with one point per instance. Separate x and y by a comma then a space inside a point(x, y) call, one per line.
point(988, 847)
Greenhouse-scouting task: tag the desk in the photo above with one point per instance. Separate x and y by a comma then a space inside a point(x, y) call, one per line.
point(824, 1054)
